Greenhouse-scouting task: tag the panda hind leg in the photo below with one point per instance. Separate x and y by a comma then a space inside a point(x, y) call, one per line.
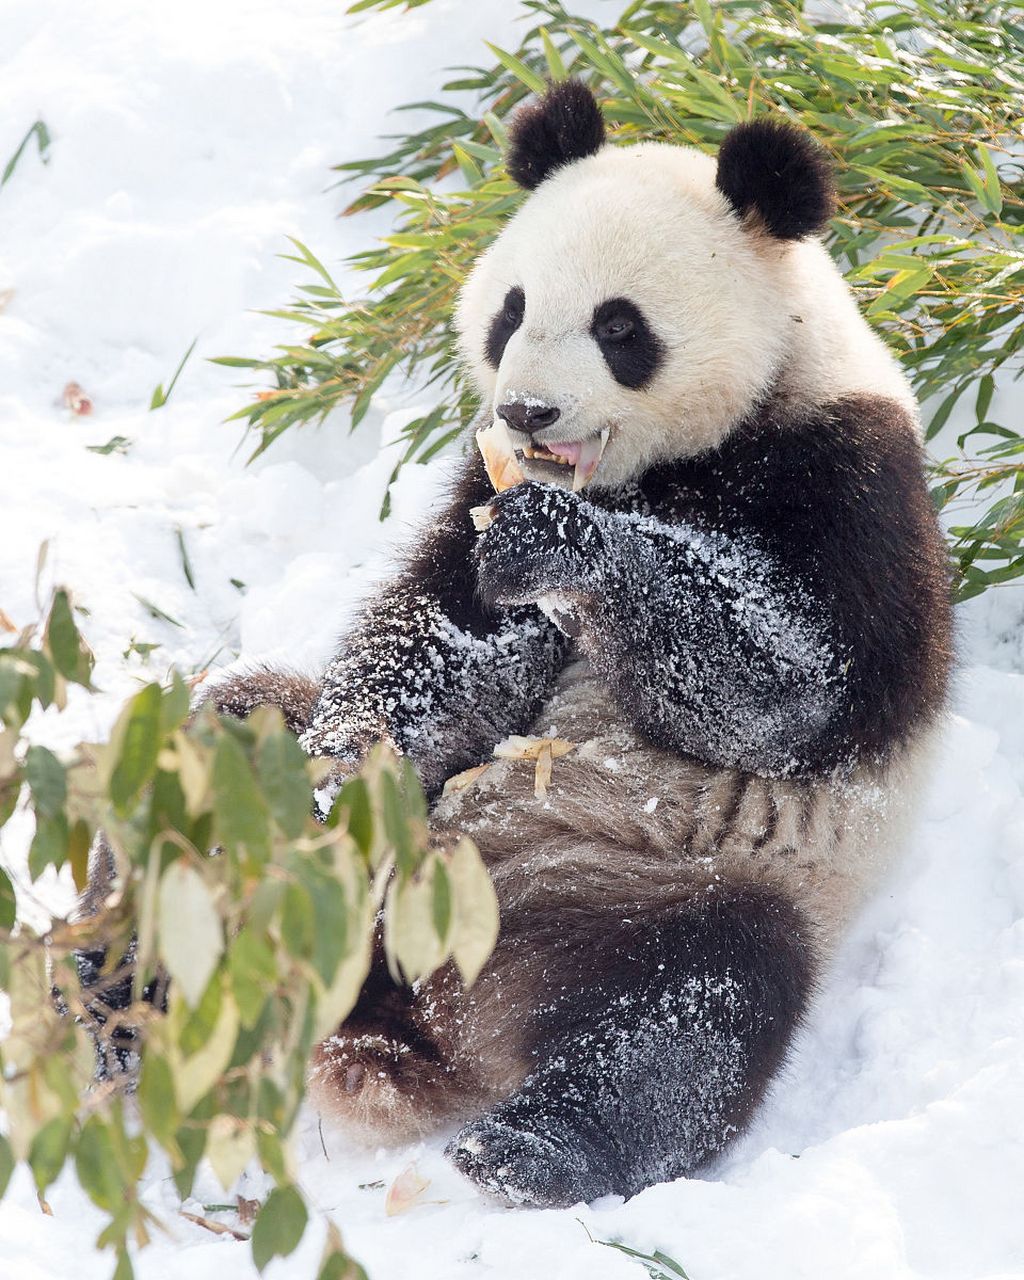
point(239, 695)
point(392, 1071)
point(660, 1055)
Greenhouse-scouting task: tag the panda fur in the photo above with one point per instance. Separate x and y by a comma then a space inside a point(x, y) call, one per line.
point(751, 649)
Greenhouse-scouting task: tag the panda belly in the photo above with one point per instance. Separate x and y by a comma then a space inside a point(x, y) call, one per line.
point(625, 825)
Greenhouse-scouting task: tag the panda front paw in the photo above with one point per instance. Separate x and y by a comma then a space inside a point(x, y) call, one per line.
point(540, 540)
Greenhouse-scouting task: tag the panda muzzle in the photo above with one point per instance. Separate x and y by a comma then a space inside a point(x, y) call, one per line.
point(503, 460)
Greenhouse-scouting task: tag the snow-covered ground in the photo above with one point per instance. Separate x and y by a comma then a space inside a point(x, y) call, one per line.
point(188, 139)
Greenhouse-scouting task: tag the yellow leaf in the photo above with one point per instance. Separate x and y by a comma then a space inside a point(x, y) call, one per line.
point(194, 1076)
point(405, 1191)
point(474, 910)
point(410, 939)
point(230, 1145)
point(460, 781)
point(336, 1001)
point(542, 774)
point(191, 936)
point(194, 768)
point(517, 747)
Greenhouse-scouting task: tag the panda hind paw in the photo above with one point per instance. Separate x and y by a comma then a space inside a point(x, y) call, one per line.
point(521, 1168)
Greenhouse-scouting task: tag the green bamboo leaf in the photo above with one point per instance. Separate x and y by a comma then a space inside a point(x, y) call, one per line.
point(157, 1101)
point(470, 169)
point(71, 655)
point(941, 414)
point(49, 1151)
point(7, 1163)
point(281, 768)
point(993, 195)
point(135, 743)
point(240, 809)
point(556, 67)
point(441, 901)
point(279, 1227)
point(8, 907)
point(518, 68)
point(298, 921)
point(396, 824)
point(46, 778)
point(97, 1166)
point(253, 971)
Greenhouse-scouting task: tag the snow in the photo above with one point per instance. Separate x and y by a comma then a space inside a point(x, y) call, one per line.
point(188, 141)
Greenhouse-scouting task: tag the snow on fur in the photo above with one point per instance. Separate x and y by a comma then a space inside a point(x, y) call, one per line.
point(897, 1101)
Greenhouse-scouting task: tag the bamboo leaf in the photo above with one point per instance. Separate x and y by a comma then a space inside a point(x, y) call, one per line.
point(191, 938)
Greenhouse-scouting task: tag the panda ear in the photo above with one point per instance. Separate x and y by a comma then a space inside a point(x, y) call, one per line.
point(779, 172)
point(565, 125)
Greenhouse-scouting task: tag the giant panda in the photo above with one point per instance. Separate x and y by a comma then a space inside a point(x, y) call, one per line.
point(721, 578)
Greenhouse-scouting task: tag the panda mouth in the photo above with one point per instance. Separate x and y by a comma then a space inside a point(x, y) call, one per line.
point(583, 456)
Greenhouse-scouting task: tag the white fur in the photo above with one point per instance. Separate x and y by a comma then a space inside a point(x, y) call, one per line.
point(740, 313)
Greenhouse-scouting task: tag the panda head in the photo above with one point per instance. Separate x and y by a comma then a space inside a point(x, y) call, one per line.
point(639, 304)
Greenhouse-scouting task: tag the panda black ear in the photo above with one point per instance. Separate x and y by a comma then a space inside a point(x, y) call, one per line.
point(779, 172)
point(565, 125)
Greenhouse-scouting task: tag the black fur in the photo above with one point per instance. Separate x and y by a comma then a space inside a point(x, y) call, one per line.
point(841, 502)
point(503, 326)
point(632, 350)
point(801, 624)
point(777, 171)
point(106, 994)
point(655, 1040)
point(432, 667)
point(565, 125)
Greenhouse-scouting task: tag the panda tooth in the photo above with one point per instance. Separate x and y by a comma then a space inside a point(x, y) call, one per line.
point(590, 456)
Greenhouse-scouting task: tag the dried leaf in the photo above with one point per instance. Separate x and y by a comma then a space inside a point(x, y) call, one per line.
point(406, 1191)
point(517, 747)
point(542, 773)
point(247, 1210)
point(460, 781)
point(218, 1228)
point(74, 397)
point(482, 517)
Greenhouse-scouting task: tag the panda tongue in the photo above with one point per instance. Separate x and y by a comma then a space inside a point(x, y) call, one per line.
point(582, 455)
point(570, 452)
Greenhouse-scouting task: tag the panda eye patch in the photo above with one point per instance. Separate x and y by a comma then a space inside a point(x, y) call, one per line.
point(631, 349)
point(503, 326)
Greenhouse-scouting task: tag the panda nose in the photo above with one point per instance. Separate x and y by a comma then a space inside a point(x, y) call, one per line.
point(528, 417)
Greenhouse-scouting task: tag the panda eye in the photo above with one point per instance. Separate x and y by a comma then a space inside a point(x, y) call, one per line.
point(617, 329)
point(632, 350)
point(514, 306)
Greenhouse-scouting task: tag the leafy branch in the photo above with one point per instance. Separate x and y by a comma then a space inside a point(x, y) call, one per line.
point(242, 959)
point(919, 103)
